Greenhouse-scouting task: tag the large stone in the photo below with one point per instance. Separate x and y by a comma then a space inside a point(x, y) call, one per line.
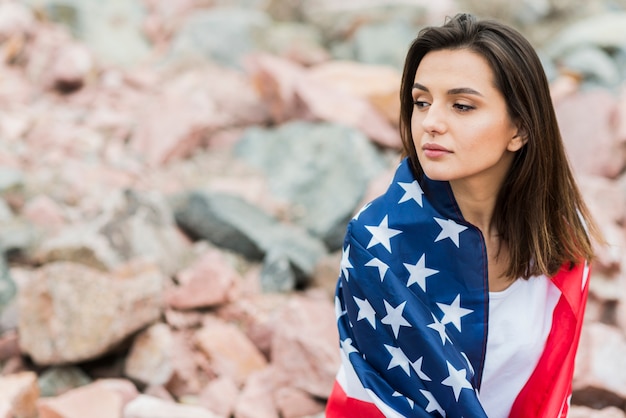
point(256, 399)
point(292, 93)
point(150, 407)
point(103, 26)
point(55, 381)
point(57, 326)
point(605, 30)
point(379, 84)
point(322, 169)
point(229, 350)
point(585, 115)
point(93, 400)
point(230, 222)
point(18, 395)
point(211, 280)
point(131, 225)
point(586, 412)
point(150, 358)
point(220, 35)
point(304, 347)
point(599, 380)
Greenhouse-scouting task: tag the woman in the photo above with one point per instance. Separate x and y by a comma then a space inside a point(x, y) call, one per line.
point(463, 287)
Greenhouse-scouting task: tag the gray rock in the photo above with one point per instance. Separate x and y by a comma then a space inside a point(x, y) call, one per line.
point(222, 35)
point(57, 380)
point(8, 289)
point(322, 169)
point(232, 223)
point(384, 43)
point(104, 26)
point(276, 274)
point(603, 30)
point(594, 64)
point(10, 179)
point(134, 225)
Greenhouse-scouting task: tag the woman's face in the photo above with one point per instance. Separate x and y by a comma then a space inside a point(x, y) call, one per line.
point(461, 128)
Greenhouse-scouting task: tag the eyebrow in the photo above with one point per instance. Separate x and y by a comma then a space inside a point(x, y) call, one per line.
point(458, 90)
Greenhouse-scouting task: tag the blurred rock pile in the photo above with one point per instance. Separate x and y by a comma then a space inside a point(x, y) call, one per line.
point(176, 177)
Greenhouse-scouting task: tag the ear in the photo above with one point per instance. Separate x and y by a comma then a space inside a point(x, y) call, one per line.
point(518, 140)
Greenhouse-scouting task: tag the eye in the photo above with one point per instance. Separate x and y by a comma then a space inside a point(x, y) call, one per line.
point(463, 107)
point(420, 104)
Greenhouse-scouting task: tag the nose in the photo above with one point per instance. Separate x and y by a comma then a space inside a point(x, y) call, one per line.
point(433, 121)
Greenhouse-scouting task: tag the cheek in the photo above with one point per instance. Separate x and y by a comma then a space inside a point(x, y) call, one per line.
point(416, 127)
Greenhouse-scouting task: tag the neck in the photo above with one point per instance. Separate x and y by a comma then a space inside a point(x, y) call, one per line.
point(477, 204)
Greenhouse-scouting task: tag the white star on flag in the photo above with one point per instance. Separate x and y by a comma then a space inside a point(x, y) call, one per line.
point(419, 272)
point(382, 267)
point(394, 317)
point(345, 263)
point(453, 313)
point(449, 229)
point(339, 311)
point(397, 394)
point(411, 191)
point(356, 215)
point(433, 405)
point(469, 363)
point(347, 347)
point(398, 358)
point(440, 328)
point(382, 234)
point(456, 380)
point(417, 366)
point(366, 311)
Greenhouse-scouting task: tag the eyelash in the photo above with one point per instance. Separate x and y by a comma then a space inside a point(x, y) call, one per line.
point(420, 104)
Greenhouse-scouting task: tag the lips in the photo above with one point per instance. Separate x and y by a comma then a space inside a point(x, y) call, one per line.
point(434, 147)
point(435, 151)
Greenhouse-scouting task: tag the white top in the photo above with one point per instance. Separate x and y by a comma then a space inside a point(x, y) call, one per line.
point(520, 318)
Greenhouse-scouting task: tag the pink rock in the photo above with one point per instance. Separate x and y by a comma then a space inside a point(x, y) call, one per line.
point(294, 403)
point(43, 211)
point(256, 399)
point(210, 281)
point(188, 377)
point(379, 84)
point(256, 314)
point(607, 204)
point(9, 345)
point(585, 412)
point(159, 392)
point(150, 407)
point(18, 395)
point(122, 387)
point(183, 319)
point(587, 123)
point(72, 66)
point(220, 396)
point(291, 92)
point(304, 348)
point(15, 20)
point(229, 351)
point(190, 107)
point(150, 358)
point(598, 375)
point(92, 401)
point(57, 326)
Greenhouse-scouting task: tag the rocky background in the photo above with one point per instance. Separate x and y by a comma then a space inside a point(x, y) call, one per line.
point(176, 177)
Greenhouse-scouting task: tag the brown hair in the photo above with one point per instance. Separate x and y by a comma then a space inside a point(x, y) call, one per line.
point(539, 210)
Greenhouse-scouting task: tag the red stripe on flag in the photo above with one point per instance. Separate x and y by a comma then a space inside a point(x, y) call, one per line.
point(341, 406)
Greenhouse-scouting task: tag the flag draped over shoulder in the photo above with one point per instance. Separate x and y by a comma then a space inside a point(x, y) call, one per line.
point(412, 311)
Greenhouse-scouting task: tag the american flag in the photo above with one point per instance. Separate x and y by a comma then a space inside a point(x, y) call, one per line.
point(412, 311)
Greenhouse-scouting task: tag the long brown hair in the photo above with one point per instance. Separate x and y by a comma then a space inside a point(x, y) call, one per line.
point(539, 211)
